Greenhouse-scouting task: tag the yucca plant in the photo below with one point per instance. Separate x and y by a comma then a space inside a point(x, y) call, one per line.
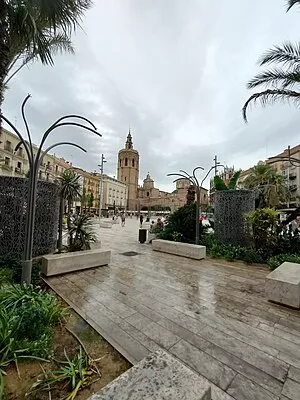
point(220, 184)
point(75, 372)
point(82, 233)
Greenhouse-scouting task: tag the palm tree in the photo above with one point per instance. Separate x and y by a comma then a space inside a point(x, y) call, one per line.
point(271, 186)
point(282, 78)
point(31, 30)
point(70, 189)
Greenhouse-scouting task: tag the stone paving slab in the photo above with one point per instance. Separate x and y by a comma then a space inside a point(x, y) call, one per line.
point(157, 377)
point(217, 310)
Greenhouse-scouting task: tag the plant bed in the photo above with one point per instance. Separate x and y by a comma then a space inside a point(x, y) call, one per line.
point(188, 250)
point(108, 361)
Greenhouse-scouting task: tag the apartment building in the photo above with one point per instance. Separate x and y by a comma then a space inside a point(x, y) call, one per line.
point(291, 171)
point(115, 194)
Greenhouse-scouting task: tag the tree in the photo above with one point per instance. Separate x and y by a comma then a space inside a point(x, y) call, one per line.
point(271, 186)
point(90, 200)
point(279, 80)
point(31, 30)
point(70, 189)
point(190, 196)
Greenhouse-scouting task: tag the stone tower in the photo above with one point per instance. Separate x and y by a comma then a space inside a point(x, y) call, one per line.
point(128, 171)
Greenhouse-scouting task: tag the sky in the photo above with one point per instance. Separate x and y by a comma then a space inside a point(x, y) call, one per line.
point(175, 71)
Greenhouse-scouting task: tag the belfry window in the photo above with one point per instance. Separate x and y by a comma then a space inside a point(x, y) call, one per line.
point(126, 162)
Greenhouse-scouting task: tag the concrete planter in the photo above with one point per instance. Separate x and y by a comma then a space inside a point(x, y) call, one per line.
point(283, 285)
point(56, 264)
point(194, 251)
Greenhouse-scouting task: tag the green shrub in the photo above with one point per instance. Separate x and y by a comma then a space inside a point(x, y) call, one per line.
point(263, 221)
point(231, 253)
point(182, 225)
point(276, 261)
point(15, 266)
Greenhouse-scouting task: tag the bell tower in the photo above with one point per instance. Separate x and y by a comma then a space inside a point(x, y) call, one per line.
point(128, 171)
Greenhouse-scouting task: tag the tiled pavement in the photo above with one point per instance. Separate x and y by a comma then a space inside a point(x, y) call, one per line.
point(211, 315)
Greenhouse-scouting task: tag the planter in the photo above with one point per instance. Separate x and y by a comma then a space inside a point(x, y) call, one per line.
point(187, 250)
point(56, 264)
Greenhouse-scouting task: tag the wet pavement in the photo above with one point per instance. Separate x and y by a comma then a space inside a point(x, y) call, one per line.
point(212, 315)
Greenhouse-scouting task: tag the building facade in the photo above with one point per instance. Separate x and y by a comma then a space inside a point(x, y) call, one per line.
point(114, 194)
point(147, 196)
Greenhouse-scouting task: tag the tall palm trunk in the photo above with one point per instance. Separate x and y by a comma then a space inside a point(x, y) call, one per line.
point(4, 51)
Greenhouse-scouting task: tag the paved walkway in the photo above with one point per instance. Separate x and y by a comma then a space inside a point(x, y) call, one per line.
point(211, 315)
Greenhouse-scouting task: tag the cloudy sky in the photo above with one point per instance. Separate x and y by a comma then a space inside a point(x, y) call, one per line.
point(176, 72)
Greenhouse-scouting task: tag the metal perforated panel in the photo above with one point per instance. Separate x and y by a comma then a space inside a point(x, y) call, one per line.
point(231, 206)
point(13, 206)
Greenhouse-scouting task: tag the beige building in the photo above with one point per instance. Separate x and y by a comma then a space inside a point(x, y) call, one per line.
point(114, 194)
point(148, 196)
point(290, 172)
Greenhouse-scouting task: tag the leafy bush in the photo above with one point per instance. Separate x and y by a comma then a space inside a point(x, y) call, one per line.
point(231, 253)
point(27, 316)
point(264, 222)
point(182, 225)
point(14, 265)
point(276, 261)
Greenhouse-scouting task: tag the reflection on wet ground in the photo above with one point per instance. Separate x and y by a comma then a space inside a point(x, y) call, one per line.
point(212, 315)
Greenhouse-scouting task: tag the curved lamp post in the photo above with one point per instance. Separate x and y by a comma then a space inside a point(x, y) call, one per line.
point(194, 181)
point(35, 161)
point(198, 186)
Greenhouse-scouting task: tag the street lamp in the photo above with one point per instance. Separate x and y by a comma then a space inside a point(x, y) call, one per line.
point(101, 166)
point(35, 161)
point(194, 181)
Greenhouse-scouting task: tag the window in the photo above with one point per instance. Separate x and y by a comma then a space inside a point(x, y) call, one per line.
point(147, 194)
point(120, 163)
point(56, 168)
point(20, 152)
point(19, 165)
point(126, 162)
point(125, 179)
point(7, 161)
point(40, 174)
point(47, 177)
point(8, 146)
point(133, 162)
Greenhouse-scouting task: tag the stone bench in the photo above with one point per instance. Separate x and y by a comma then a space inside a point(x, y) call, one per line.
point(283, 285)
point(56, 264)
point(179, 249)
point(158, 376)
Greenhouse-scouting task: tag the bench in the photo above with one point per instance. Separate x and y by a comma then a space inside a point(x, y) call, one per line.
point(283, 285)
point(158, 376)
point(188, 250)
point(56, 264)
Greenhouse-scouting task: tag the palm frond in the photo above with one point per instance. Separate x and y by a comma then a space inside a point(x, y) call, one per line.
point(292, 3)
point(288, 54)
point(275, 77)
point(270, 96)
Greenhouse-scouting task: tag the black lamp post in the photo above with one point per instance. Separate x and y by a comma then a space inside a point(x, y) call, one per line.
point(35, 161)
point(194, 181)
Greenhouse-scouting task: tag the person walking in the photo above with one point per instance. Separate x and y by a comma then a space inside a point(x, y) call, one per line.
point(141, 220)
point(122, 219)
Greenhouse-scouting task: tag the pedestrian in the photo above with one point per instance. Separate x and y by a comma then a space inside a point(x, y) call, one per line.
point(141, 220)
point(122, 219)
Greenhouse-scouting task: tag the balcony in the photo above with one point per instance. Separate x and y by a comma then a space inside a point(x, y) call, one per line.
point(293, 188)
point(292, 175)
